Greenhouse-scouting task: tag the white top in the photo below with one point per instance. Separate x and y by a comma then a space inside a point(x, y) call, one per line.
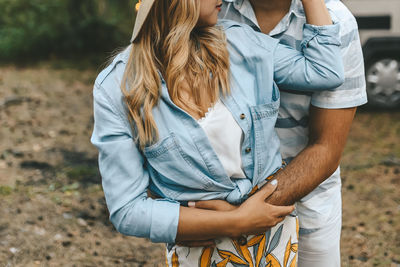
point(225, 137)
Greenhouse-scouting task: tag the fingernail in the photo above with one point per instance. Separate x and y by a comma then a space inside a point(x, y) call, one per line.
point(274, 182)
point(191, 204)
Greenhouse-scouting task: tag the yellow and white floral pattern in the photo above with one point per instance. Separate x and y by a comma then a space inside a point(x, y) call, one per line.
point(275, 248)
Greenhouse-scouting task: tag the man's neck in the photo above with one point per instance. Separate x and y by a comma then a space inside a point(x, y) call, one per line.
point(270, 12)
point(271, 5)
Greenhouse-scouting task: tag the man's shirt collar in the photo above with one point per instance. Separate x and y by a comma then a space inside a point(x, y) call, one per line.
point(245, 8)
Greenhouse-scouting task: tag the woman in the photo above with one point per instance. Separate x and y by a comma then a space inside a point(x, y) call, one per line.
point(155, 137)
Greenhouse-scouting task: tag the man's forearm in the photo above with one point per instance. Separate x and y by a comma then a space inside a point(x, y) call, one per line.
point(328, 130)
point(304, 173)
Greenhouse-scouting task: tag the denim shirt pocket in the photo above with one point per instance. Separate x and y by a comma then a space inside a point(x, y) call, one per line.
point(173, 172)
point(267, 151)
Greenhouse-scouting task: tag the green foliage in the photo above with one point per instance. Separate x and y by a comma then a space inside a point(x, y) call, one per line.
point(82, 173)
point(5, 190)
point(37, 29)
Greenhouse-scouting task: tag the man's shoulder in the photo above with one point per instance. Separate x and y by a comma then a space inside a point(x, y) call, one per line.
point(341, 14)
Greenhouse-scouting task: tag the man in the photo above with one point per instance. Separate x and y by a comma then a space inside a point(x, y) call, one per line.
point(313, 128)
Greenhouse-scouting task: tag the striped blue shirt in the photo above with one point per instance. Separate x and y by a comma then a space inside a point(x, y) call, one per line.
point(323, 205)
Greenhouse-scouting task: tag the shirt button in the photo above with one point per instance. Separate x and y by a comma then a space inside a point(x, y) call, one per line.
point(248, 150)
point(242, 116)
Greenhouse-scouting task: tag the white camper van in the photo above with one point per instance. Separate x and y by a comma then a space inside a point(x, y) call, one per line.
point(379, 25)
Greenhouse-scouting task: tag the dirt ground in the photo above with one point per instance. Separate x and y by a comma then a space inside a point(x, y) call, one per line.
point(53, 210)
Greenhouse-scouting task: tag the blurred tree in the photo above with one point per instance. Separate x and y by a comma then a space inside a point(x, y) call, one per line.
point(37, 29)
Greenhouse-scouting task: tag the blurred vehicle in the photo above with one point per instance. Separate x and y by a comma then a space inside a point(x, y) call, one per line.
point(379, 25)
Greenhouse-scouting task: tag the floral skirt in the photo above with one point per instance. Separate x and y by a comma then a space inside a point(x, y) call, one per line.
point(276, 247)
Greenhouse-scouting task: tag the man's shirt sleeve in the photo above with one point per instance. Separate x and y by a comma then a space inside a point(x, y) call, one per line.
point(352, 92)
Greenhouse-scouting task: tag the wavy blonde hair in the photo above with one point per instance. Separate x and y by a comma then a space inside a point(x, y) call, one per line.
point(170, 43)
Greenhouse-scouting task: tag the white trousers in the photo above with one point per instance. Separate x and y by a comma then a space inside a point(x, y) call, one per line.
point(322, 247)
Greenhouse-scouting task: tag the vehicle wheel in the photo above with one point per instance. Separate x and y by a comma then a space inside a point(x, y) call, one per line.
point(383, 82)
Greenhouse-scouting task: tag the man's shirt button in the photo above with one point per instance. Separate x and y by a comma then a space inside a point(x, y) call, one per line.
point(242, 116)
point(248, 150)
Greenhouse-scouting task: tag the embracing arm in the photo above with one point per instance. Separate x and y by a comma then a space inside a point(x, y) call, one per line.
point(328, 126)
point(254, 216)
point(329, 129)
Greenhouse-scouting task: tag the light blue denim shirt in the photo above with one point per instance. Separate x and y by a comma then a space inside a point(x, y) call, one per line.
point(182, 165)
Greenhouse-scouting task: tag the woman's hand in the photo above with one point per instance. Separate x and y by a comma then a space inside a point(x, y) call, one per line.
point(253, 216)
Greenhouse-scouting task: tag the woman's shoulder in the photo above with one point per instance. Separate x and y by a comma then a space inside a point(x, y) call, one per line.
point(243, 36)
point(107, 87)
point(109, 80)
point(115, 69)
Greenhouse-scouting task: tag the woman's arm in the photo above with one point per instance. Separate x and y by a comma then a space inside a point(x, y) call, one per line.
point(318, 66)
point(125, 181)
point(254, 216)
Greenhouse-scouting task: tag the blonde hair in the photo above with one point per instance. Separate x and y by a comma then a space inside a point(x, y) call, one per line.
point(170, 44)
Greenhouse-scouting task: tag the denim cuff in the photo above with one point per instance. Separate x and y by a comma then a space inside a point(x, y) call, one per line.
point(164, 221)
point(327, 34)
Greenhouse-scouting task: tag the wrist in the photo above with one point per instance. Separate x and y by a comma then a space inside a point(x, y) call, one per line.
point(235, 225)
point(275, 198)
point(280, 198)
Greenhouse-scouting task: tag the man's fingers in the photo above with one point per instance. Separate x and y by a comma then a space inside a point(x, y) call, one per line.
point(282, 211)
point(267, 189)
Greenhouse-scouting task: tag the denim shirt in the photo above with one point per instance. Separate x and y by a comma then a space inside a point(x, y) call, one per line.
point(182, 165)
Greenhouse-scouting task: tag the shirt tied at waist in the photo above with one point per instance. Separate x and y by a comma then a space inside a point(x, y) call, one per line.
point(242, 189)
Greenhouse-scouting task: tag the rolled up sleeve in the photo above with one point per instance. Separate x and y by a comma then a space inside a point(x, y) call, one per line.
point(327, 34)
point(124, 178)
point(318, 66)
